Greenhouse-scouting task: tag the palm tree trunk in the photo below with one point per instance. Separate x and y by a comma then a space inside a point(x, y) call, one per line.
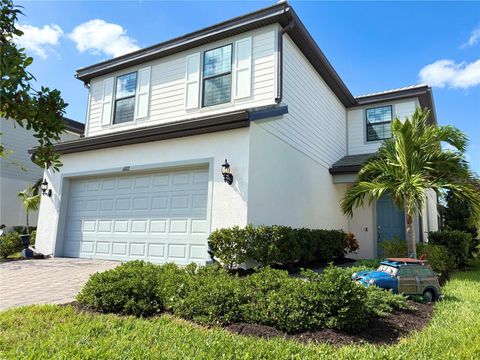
point(411, 242)
point(28, 232)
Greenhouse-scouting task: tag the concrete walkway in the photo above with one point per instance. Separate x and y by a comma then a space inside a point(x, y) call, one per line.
point(48, 281)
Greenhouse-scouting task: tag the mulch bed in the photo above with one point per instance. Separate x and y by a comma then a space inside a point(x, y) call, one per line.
point(380, 331)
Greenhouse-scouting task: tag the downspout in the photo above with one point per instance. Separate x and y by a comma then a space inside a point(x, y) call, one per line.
point(286, 29)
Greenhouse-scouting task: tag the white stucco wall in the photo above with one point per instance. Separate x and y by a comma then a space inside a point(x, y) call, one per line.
point(357, 138)
point(363, 225)
point(430, 213)
point(229, 203)
point(287, 187)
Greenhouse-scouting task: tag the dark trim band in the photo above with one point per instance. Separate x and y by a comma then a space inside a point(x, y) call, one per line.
point(74, 126)
point(345, 169)
point(190, 127)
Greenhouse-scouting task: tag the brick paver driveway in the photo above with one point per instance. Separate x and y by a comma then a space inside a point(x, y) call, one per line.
point(49, 281)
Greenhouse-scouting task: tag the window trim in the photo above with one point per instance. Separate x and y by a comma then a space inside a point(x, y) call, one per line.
point(367, 141)
point(124, 98)
point(203, 77)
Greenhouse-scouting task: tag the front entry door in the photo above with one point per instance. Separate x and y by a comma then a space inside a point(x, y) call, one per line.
point(390, 222)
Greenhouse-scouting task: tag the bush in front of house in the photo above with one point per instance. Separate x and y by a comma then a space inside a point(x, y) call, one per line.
point(456, 242)
point(10, 243)
point(436, 255)
point(279, 245)
point(210, 295)
point(135, 287)
point(381, 302)
point(231, 243)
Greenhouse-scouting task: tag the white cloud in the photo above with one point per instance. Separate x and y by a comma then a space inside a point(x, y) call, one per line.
point(39, 41)
point(473, 39)
point(97, 36)
point(443, 73)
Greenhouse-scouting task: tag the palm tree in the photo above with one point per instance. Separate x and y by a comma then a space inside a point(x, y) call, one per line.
point(30, 199)
point(411, 162)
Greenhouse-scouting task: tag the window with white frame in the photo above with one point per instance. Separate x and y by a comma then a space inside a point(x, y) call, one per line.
point(379, 123)
point(125, 98)
point(217, 76)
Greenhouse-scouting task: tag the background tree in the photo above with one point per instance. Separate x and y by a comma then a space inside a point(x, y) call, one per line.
point(30, 200)
point(41, 110)
point(411, 162)
point(454, 213)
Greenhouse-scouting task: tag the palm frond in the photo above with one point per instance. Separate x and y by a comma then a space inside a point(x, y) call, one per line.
point(413, 161)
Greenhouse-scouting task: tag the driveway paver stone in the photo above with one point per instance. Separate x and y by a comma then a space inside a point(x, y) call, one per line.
point(47, 281)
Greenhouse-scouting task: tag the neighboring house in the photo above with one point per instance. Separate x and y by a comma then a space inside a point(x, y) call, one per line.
point(17, 171)
point(146, 181)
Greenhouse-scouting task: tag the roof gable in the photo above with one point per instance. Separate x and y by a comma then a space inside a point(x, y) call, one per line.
point(282, 14)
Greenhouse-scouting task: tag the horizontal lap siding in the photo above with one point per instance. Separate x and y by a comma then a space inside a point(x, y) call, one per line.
point(18, 140)
point(357, 143)
point(167, 91)
point(316, 120)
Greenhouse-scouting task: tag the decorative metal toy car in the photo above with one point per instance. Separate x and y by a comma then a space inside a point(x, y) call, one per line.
point(402, 276)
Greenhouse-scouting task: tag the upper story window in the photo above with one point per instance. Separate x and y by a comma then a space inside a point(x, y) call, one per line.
point(125, 98)
point(217, 75)
point(379, 123)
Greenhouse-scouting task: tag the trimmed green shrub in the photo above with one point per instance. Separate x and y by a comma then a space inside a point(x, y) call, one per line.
point(279, 245)
point(10, 244)
point(274, 298)
point(210, 295)
point(457, 244)
point(343, 302)
point(368, 263)
point(294, 304)
point(136, 287)
point(381, 302)
point(231, 244)
point(273, 245)
point(436, 255)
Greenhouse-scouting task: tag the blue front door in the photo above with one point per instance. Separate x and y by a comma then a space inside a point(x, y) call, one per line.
point(390, 222)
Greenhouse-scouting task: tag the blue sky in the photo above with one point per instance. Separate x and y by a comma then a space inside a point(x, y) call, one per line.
point(373, 46)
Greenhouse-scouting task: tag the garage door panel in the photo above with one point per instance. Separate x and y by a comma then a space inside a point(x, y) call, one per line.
point(158, 217)
point(157, 251)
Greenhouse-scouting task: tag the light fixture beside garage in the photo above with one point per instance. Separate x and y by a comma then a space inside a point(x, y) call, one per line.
point(227, 175)
point(45, 189)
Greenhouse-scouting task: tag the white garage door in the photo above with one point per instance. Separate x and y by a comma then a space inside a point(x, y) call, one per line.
point(159, 217)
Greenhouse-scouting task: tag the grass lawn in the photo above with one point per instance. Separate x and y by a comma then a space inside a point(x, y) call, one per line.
point(40, 332)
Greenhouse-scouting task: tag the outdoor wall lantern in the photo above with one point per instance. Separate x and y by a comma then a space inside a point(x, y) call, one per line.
point(227, 175)
point(45, 189)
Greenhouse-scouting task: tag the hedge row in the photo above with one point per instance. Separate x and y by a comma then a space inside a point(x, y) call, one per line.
point(436, 255)
point(456, 242)
point(210, 295)
point(278, 245)
point(445, 251)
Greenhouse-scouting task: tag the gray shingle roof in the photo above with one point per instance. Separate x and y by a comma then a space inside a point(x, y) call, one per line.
point(349, 163)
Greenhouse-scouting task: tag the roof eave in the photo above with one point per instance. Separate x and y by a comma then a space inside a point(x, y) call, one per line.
point(271, 15)
point(352, 169)
point(424, 94)
point(189, 127)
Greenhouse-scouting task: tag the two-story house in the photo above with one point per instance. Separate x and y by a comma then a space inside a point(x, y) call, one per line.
point(17, 171)
point(146, 182)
